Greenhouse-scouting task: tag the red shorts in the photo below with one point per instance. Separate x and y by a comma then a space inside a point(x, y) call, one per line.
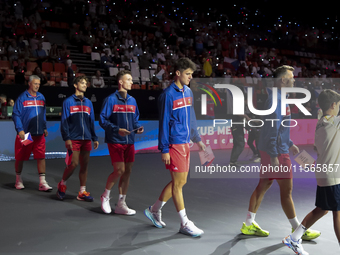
point(23, 152)
point(179, 157)
point(81, 145)
point(121, 152)
point(284, 171)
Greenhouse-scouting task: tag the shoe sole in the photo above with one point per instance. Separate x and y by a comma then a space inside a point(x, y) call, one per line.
point(147, 214)
point(86, 200)
point(254, 234)
point(19, 188)
point(127, 214)
point(48, 190)
point(188, 234)
point(288, 245)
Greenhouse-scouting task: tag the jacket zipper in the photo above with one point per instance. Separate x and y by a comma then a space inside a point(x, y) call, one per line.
point(127, 121)
point(82, 116)
point(36, 110)
point(186, 114)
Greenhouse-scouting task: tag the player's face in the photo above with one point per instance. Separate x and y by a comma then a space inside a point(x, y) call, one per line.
point(126, 82)
point(34, 85)
point(81, 86)
point(185, 76)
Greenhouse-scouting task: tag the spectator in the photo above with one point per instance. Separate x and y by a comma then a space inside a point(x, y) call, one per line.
point(43, 79)
point(19, 77)
point(70, 73)
point(97, 81)
point(40, 55)
point(116, 58)
point(106, 60)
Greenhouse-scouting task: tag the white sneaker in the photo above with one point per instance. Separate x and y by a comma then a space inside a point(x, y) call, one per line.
point(19, 185)
point(122, 208)
point(257, 160)
point(106, 207)
point(296, 246)
point(155, 217)
point(45, 187)
point(190, 229)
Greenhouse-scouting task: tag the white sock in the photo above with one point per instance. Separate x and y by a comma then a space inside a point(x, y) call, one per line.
point(42, 178)
point(250, 218)
point(183, 216)
point(82, 189)
point(106, 193)
point(294, 222)
point(157, 206)
point(299, 232)
point(63, 182)
point(121, 199)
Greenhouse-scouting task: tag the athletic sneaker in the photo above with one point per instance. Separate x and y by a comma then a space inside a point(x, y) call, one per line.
point(19, 185)
point(61, 191)
point(296, 246)
point(122, 208)
point(155, 217)
point(45, 187)
point(234, 164)
point(253, 230)
point(190, 229)
point(106, 207)
point(257, 160)
point(84, 196)
point(310, 234)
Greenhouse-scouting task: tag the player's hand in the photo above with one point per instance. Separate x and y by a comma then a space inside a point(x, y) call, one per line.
point(22, 135)
point(45, 133)
point(95, 145)
point(123, 132)
point(274, 161)
point(201, 146)
point(140, 130)
point(68, 144)
point(166, 158)
point(294, 149)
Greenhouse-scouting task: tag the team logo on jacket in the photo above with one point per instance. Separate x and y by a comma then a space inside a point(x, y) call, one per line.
point(124, 108)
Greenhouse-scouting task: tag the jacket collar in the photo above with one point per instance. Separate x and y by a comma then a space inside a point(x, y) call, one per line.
point(120, 97)
point(29, 95)
point(173, 84)
point(77, 98)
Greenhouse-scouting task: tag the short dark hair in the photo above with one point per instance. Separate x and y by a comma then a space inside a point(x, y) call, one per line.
point(282, 71)
point(79, 78)
point(183, 64)
point(326, 98)
point(120, 74)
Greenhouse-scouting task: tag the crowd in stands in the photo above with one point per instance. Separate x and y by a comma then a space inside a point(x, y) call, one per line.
point(232, 42)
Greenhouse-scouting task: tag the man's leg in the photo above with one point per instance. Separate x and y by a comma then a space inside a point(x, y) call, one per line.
point(84, 158)
point(18, 169)
point(336, 222)
point(125, 179)
point(250, 227)
point(286, 188)
point(70, 168)
point(179, 179)
point(67, 174)
point(238, 141)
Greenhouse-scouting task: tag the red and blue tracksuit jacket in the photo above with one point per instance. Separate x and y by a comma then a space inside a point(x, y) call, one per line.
point(275, 138)
point(177, 119)
point(29, 113)
point(77, 119)
point(117, 113)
